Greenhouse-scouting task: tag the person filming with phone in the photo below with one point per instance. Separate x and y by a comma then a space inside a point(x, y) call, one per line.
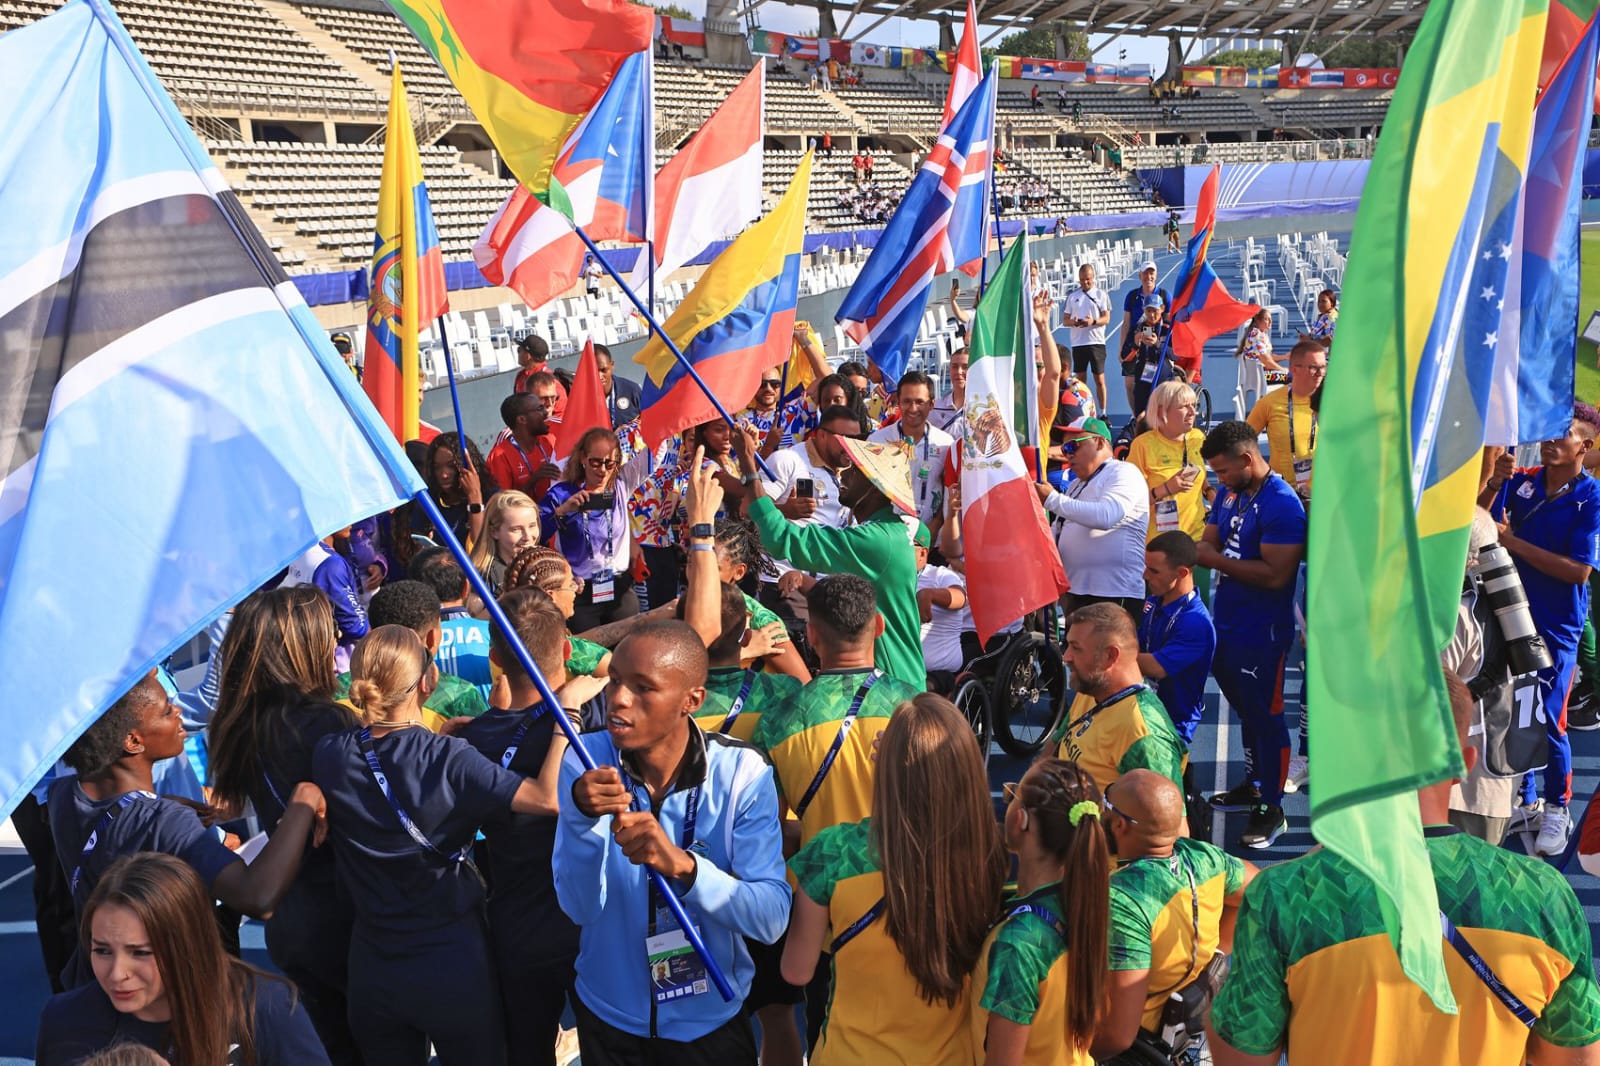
point(588, 510)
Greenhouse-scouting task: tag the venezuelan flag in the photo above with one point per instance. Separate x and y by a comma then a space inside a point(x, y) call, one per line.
point(405, 284)
point(530, 69)
point(738, 322)
point(1402, 428)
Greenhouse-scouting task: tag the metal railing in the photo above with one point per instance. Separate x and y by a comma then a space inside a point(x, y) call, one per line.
point(1171, 155)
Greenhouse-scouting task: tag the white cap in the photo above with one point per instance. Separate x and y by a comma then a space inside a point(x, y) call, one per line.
point(1150, 265)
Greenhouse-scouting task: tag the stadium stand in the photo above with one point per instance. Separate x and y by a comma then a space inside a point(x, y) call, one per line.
point(1077, 185)
point(1298, 109)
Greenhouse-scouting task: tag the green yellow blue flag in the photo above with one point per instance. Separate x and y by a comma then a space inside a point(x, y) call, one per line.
point(1403, 423)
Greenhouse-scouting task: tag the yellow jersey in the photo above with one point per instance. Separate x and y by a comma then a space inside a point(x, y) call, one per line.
point(1159, 458)
point(1271, 413)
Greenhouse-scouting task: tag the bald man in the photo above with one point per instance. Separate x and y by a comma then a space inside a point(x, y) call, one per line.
point(1116, 723)
point(1173, 904)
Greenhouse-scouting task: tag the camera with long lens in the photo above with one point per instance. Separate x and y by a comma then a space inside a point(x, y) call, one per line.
point(1502, 587)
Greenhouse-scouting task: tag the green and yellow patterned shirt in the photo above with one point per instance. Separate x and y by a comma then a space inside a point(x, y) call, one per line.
point(1022, 972)
point(1313, 968)
point(454, 698)
point(767, 692)
point(586, 656)
point(1132, 733)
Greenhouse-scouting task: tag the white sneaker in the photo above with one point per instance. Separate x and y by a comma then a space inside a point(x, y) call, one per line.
point(1297, 774)
point(1525, 818)
point(1554, 830)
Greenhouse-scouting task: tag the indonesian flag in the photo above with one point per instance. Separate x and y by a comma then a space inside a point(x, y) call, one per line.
point(711, 188)
point(1013, 566)
point(966, 73)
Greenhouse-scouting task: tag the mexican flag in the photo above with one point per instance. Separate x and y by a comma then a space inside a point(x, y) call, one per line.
point(1013, 566)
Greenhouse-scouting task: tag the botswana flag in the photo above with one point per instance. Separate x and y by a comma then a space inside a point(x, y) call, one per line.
point(174, 426)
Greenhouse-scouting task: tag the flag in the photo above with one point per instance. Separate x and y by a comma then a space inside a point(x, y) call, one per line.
point(1013, 566)
point(867, 55)
point(883, 309)
point(1569, 19)
point(1394, 494)
point(530, 69)
point(1532, 388)
point(691, 33)
point(1201, 305)
point(803, 47)
point(970, 220)
point(405, 280)
point(965, 71)
point(711, 187)
point(605, 167)
point(586, 404)
point(171, 408)
point(737, 322)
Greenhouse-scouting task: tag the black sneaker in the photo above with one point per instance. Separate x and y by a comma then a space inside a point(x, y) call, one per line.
point(1238, 798)
point(1266, 824)
point(1583, 713)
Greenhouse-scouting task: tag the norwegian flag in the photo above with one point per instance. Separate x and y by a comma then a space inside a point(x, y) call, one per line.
point(883, 309)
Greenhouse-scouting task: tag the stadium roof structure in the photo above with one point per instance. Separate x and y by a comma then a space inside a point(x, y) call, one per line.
point(1191, 18)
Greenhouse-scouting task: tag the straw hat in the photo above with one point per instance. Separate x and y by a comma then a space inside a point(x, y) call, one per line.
point(887, 467)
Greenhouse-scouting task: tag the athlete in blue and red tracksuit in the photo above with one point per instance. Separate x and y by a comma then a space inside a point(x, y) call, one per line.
point(1253, 541)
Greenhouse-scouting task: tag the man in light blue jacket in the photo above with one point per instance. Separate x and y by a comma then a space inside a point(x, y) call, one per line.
point(702, 809)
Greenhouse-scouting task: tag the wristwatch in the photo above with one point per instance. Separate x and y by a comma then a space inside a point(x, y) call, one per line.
point(750, 479)
point(702, 530)
point(474, 508)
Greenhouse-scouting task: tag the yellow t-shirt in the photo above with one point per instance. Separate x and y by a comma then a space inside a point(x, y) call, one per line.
point(1271, 413)
point(1132, 733)
point(1158, 458)
point(1021, 976)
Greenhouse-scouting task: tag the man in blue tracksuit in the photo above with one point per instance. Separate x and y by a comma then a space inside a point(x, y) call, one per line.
point(702, 809)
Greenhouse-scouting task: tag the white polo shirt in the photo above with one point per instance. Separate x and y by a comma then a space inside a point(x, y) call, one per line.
point(1091, 305)
point(791, 464)
point(927, 466)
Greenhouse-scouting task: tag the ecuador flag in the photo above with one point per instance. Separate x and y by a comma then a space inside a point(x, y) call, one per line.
point(530, 69)
point(405, 286)
point(1403, 426)
point(738, 322)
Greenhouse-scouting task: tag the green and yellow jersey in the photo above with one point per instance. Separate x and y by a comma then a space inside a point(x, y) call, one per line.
point(1022, 973)
point(1153, 917)
point(797, 737)
point(760, 617)
point(768, 692)
point(876, 1013)
point(1313, 968)
point(586, 656)
point(1132, 733)
point(452, 698)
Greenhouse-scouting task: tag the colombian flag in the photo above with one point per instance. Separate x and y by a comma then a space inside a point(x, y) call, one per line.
point(405, 285)
point(1402, 429)
point(530, 69)
point(738, 322)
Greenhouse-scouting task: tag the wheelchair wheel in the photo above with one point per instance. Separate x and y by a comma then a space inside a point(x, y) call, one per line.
point(1028, 695)
point(1202, 415)
point(972, 699)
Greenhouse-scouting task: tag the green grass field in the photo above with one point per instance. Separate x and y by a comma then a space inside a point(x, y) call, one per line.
point(1588, 383)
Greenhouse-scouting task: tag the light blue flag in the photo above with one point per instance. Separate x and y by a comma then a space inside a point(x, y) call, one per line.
point(174, 426)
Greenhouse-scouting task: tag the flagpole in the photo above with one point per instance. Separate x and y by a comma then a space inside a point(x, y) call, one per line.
point(649, 316)
point(650, 250)
point(498, 617)
point(455, 397)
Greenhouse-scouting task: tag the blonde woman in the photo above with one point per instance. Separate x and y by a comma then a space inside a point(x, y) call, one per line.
point(511, 523)
point(1168, 455)
point(404, 805)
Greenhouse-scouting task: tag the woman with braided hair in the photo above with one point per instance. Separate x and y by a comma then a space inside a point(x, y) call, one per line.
point(547, 570)
point(739, 555)
point(1040, 985)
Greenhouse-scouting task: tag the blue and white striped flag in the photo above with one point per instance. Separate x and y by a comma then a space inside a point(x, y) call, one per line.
point(174, 427)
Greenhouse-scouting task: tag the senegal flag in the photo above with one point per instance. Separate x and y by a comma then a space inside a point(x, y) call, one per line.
point(1013, 566)
point(530, 69)
point(1403, 421)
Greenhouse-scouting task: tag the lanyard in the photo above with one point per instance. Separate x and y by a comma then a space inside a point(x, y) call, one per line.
point(857, 927)
point(533, 714)
point(1147, 623)
point(273, 789)
point(738, 702)
point(1536, 508)
point(1116, 697)
point(1294, 452)
point(532, 470)
point(1077, 488)
point(124, 801)
point(1039, 910)
point(608, 557)
point(1481, 968)
point(838, 742)
point(364, 738)
point(923, 454)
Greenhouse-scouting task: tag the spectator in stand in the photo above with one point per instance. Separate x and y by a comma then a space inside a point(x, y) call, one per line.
point(163, 982)
point(511, 523)
point(858, 165)
point(827, 143)
point(588, 512)
point(1257, 342)
point(1327, 319)
point(276, 701)
point(701, 810)
point(464, 640)
point(866, 170)
point(523, 456)
point(1061, 99)
point(930, 847)
point(1041, 979)
point(1107, 513)
point(1033, 98)
point(1287, 417)
point(1087, 311)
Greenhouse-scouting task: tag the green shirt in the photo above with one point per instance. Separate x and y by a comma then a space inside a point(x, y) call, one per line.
point(878, 549)
point(586, 656)
point(454, 698)
point(1022, 952)
point(768, 692)
point(760, 617)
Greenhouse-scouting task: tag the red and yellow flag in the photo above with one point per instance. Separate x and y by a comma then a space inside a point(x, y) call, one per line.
point(530, 69)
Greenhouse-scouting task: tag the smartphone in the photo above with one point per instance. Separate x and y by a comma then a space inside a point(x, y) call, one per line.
point(600, 501)
point(805, 488)
point(955, 286)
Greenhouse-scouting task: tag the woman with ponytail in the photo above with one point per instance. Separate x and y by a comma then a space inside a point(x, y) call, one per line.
point(903, 899)
point(404, 805)
point(1040, 987)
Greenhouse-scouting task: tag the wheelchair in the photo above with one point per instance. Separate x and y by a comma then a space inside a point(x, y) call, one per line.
point(1014, 691)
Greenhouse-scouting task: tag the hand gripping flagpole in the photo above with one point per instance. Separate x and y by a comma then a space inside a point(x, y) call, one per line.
point(649, 316)
point(525, 660)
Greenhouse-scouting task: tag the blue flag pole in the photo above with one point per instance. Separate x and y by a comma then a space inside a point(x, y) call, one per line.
point(525, 660)
point(650, 250)
point(655, 326)
point(455, 397)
